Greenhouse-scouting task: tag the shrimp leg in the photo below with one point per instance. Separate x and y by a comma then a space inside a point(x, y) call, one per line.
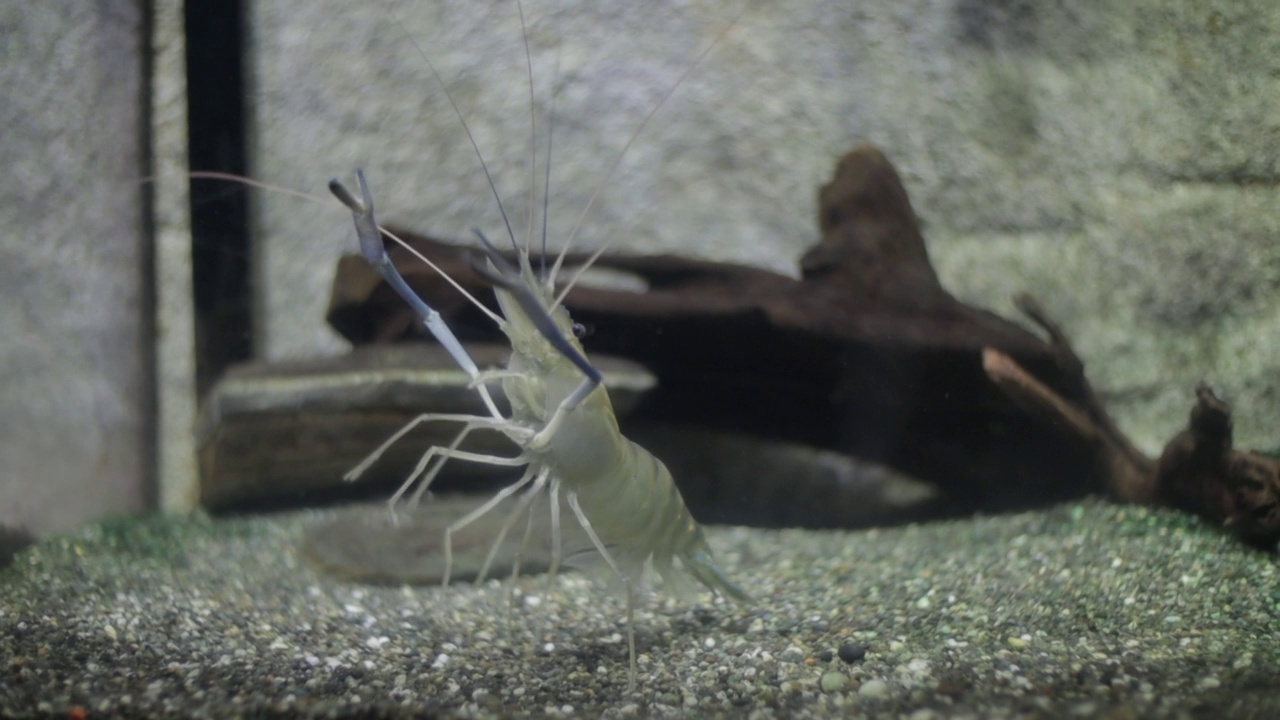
point(484, 509)
point(471, 422)
point(448, 453)
point(514, 432)
point(626, 583)
point(525, 501)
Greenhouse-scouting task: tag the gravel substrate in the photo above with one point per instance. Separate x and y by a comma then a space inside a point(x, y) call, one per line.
point(1086, 610)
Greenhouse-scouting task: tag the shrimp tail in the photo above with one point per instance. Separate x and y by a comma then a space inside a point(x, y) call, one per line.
point(699, 564)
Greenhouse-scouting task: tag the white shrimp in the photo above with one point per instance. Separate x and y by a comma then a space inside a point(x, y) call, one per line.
point(561, 420)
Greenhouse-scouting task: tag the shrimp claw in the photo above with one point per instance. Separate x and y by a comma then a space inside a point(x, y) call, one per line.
point(375, 253)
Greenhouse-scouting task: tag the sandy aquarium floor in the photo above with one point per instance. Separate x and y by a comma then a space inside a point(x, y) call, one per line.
point(1084, 610)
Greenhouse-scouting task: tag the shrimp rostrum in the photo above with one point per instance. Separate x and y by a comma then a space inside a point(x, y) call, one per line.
point(563, 423)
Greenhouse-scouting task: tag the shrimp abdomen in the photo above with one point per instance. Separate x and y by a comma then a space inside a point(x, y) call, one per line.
point(642, 516)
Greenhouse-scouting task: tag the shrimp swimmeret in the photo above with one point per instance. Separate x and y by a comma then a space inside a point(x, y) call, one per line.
point(561, 420)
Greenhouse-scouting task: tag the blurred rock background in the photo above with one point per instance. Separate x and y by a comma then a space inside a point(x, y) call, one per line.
point(75, 319)
point(1118, 159)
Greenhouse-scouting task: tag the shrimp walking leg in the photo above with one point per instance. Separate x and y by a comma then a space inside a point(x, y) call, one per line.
point(442, 456)
point(556, 548)
point(490, 504)
point(626, 583)
point(427, 475)
point(470, 422)
point(520, 509)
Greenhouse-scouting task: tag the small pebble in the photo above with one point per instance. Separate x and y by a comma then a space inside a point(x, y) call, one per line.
point(826, 655)
point(851, 653)
point(873, 689)
point(833, 682)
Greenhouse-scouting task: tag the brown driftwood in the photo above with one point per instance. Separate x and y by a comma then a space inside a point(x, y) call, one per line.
point(1123, 468)
point(273, 434)
point(866, 354)
point(1198, 472)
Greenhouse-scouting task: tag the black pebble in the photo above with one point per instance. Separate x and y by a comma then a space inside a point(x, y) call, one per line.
point(826, 655)
point(851, 653)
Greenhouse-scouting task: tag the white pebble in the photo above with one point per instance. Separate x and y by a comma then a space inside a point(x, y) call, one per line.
point(873, 689)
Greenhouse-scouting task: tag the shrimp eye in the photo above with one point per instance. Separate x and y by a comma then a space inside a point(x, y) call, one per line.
point(580, 331)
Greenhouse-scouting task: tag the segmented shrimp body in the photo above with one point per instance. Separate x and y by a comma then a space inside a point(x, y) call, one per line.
point(626, 493)
point(561, 418)
point(563, 422)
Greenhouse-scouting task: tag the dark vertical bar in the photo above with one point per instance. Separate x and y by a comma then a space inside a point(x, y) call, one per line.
point(150, 398)
point(219, 209)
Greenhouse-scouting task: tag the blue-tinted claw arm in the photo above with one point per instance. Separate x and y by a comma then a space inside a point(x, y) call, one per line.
point(375, 253)
point(372, 246)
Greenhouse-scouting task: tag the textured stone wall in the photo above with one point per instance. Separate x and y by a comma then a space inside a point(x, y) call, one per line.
point(1116, 158)
point(73, 353)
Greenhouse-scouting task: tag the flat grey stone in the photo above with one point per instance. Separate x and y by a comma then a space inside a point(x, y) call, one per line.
point(274, 431)
point(722, 477)
point(728, 477)
point(373, 544)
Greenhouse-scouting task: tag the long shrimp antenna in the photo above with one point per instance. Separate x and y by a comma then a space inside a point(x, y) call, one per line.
point(533, 138)
point(546, 183)
point(495, 317)
point(232, 177)
point(323, 200)
point(375, 253)
point(617, 161)
point(493, 188)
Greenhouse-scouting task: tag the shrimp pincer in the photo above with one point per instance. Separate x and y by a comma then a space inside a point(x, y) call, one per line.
point(563, 424)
